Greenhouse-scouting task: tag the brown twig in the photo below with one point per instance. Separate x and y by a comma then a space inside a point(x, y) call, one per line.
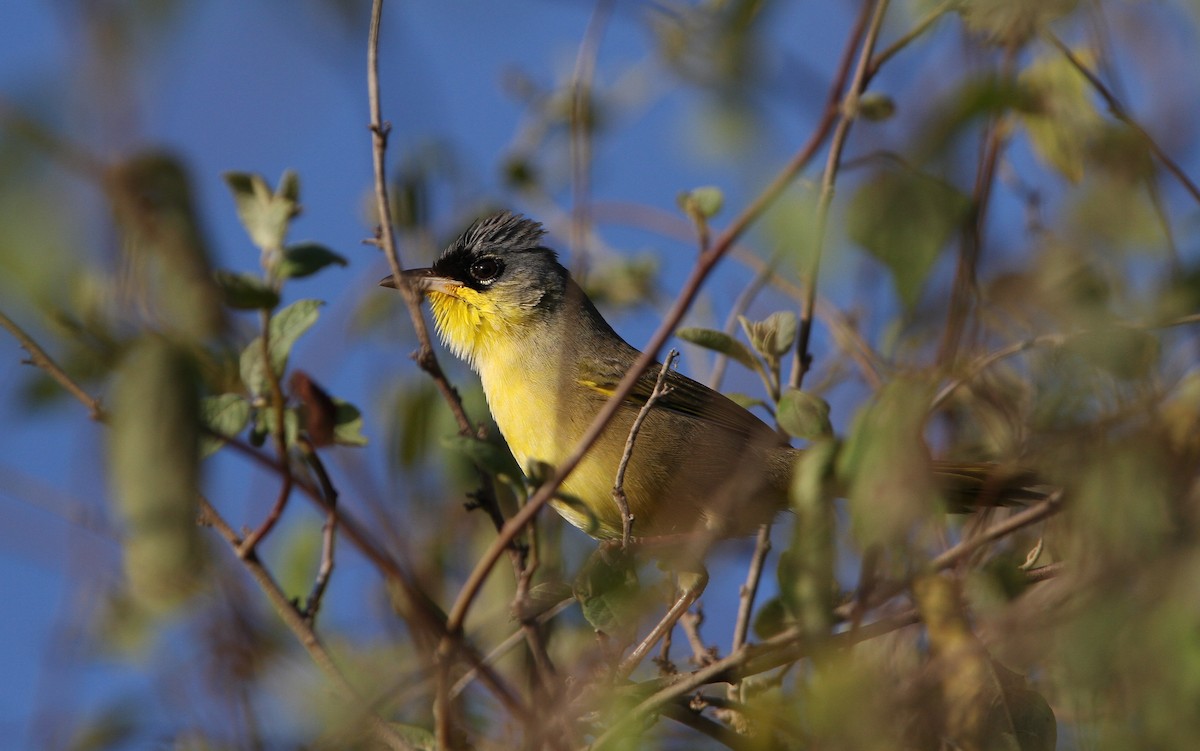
point(300, 626)
point(660, 390)
point(837, 143)
point(508, 645)
point(328, 535)
point(428, 362)
point(278, 408)
point(582, 123)
point(425, 612)
point(749, 590)
point(884, 591)
point(752, 659)
point(1119, 111)
point(39, 358)
point(918, 29)
point(1032, 515)
point(965, 286)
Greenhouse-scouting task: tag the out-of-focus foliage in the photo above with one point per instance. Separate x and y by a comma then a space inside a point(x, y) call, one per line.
point(1007, 281)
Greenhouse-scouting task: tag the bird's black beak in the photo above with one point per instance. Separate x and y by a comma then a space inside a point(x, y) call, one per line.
point(422, 280)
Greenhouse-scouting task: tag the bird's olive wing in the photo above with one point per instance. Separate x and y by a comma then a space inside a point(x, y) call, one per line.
point(683, 396)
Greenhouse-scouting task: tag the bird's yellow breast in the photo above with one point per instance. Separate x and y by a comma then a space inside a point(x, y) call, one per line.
point(520, 380)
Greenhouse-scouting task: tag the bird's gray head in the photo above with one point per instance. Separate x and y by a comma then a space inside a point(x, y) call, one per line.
point(503, 257)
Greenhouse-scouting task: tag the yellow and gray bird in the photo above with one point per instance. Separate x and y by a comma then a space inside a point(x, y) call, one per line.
point(549, 362)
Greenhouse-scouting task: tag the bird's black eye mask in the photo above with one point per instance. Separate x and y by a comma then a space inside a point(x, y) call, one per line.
point(479, 270)
point(475, 270)
point(477, 257)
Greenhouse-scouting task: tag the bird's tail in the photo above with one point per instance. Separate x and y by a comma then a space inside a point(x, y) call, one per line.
point(970, 486)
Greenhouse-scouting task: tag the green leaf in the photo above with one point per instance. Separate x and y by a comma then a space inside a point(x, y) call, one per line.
point(876, 107)
point(702, 203)
point(224, 414)
point(264, 214)
point(289, 187)
point(1011, 23)
point(806, 569)
point(803, 415)
point(287, 325)
point(418, 738)
point(542, 598)
point(153, 203)
point(904, 219)
point(772, 336)
point(155, 458)
point(1062, 121)
point(348, 424)
point(245, 291)
point(298, 554)
point(607, 590)
point(306, 259)
point(1128, 354)
point(885, 465)
point(491, 458)
point(719, 341)
point(745, 401)
point(771, 619)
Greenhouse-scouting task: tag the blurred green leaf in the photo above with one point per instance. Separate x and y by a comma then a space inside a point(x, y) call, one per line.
point(806, 569)
point(115, 726)
point(245, 291)
point(1062, 121)
point(348, 424)
point(156, 473)
point(771, 619)
point(719, 341)
point(624, 281)
point(904, 219)
point(876, 107)
point(542, 597)
point(745, 401)
point(1020, 718)
point(1128, 354)
point(265, 214)
point(418, 738)
point(304, 259)
point(224, 414)
point(164, 245)
point(489, 457)
point(299, 553)
point(1011, 23)
point(287, 325)
point(607, 589)
point(885, 465)
point(701, 204)
point(803, 415)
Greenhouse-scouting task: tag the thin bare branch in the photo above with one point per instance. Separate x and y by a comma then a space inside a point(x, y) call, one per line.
point(1120, 112)
point(660, 390)
point(837, 143)
point(749, 590)
point(300, 627)
point(39, 358)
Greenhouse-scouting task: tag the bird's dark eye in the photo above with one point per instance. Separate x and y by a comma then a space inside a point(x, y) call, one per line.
point(486, 269)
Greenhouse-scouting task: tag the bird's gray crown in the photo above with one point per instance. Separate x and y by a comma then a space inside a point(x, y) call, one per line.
point(506, 231)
